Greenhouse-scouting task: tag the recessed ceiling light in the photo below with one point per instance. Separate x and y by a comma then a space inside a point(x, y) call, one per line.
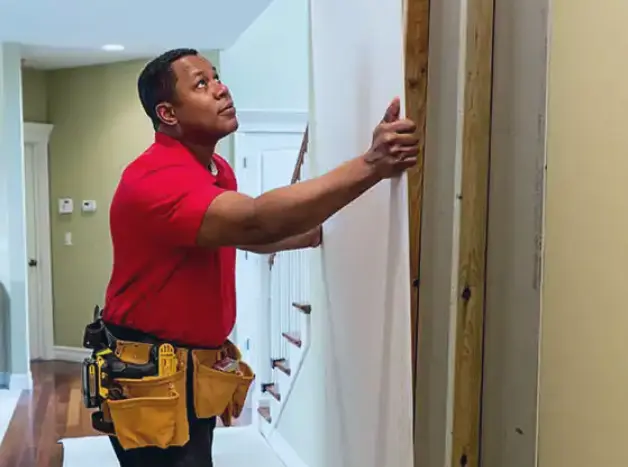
point(113, 47)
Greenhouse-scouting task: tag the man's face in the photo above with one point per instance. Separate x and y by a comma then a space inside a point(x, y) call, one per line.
point(202, 106)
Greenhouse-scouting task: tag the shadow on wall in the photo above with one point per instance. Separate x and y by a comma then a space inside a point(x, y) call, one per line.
point(5, 336)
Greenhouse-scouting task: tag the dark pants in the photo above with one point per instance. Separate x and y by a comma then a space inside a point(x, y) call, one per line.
point(196, 453)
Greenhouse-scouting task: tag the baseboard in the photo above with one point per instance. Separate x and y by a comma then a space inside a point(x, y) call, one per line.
point(21, 382)
point(284, 451)
point(16, 382)
point(70, 354)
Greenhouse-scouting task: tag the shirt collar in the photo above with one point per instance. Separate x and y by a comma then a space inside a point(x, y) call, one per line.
point(165, 140)
point(170, 142)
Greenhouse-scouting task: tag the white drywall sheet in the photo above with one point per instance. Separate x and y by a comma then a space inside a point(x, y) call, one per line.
point(357, 70)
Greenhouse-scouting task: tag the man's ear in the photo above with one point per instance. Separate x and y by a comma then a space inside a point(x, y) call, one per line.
point(166, 113)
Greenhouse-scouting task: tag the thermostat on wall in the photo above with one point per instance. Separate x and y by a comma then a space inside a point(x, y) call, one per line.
point(66, 206)
point(88, 205)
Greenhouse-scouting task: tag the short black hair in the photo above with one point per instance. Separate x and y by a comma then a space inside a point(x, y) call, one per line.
point(157, 81)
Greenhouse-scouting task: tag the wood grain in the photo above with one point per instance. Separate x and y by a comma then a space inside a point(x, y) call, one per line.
point(473, 231)
point(42, 417)
point(416, 61)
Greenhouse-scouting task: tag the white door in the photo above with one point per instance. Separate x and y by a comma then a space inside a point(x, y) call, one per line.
point(38, 259)
point(262, 161)
point(35, 308)
point(278, 166)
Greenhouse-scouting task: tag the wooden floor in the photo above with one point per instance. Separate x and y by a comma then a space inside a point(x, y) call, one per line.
point(52, 411)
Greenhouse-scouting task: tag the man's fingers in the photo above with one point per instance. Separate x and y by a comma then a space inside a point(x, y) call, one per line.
point(404, 139)
point(398, 126)
point(393, 111)
point(408, 162)
point(404, 151)
point(404, 165)
point(403, 126)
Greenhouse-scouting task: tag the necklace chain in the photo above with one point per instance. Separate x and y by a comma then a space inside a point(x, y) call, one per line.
point(213, 168)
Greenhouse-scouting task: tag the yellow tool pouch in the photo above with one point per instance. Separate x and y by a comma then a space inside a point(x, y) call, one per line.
point(219, 393)
point(153, 410)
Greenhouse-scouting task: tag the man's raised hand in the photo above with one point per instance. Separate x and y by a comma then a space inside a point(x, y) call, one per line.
point(395, 145)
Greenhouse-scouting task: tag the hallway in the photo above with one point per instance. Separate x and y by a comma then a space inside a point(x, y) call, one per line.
point(54, 410)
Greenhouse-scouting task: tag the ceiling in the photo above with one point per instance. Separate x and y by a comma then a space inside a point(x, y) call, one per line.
point(66, 33)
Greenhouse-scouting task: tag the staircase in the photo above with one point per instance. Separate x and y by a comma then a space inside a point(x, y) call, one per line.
point(289, 333)
point(288, 292)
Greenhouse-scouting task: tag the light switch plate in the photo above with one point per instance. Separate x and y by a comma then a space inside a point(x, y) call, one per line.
point(66, 206)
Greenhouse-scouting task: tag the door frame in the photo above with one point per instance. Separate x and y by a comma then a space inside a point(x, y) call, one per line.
point(38, 134)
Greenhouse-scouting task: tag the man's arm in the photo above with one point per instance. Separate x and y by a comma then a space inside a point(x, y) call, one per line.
point(180, 206)
point(236, 219)
point(309, 239)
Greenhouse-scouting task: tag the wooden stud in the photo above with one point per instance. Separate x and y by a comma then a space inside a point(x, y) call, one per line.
point(473, 229)
point(416, 60)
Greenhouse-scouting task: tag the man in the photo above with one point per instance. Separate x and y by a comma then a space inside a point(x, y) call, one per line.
point(176, 220)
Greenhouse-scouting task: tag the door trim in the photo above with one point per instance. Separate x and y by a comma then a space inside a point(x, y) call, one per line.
point(38, 134)
point(272, 121)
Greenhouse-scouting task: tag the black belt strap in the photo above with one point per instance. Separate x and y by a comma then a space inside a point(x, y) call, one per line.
point(116, 332)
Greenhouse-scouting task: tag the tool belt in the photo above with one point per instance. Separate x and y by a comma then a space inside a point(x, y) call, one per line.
point(140, 388)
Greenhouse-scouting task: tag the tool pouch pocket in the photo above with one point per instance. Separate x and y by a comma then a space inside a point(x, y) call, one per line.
point(153, 412)
point(242, 389)
point(216, 390)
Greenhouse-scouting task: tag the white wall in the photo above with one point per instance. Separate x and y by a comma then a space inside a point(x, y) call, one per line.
point(13, 280)
point(267, 67)
point(361, 311)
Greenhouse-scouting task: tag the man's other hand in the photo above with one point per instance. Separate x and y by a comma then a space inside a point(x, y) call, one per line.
point(315, 237)
point(395, 145)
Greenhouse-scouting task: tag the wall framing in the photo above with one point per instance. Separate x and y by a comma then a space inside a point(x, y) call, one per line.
point(416, 58)
point(476, 310)
point(473, 196)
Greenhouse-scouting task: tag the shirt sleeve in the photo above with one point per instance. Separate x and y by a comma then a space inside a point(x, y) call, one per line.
point(171, 202)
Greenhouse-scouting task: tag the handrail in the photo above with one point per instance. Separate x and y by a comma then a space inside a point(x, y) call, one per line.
point(296, 176)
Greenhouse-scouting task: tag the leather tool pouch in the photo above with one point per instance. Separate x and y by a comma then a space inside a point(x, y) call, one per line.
point(217, 392)
point(152, 410)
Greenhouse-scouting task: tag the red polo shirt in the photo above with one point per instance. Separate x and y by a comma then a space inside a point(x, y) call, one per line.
point(163, 283)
